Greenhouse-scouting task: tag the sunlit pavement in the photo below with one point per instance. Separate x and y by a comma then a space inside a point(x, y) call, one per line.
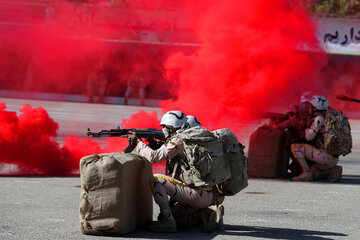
point(47, 207)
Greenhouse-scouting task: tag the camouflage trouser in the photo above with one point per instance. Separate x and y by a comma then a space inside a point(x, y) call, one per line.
point(321, 158)
point(164, 186)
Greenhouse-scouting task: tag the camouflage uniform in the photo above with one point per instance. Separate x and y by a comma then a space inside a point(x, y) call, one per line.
point(164, 186)
point(322, 159)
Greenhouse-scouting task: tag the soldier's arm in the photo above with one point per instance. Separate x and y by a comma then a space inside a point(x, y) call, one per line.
point(168, 150)
point(310, 133)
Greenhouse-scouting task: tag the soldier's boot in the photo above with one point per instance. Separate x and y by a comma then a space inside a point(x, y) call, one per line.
point(335, 174)
point(185, 215)
point(306, 174)
point(220, 210)
point(166, 223)
point(208, 218)
point(319, 174)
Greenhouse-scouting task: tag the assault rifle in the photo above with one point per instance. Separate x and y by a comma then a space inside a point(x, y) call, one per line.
point(346, 98)
point(152, 135)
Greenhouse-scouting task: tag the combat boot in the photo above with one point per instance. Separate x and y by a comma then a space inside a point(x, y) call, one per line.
point(165, 225)
point(219, 214)
point(335, 174)
point(208, 218)
point(185, 215)
point(305, 176)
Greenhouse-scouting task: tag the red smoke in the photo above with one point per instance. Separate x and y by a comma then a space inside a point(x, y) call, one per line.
point(86, 146)
point(142, 119)
point(51, 46)
point(57, 46)
point(28, 140)
point(251, 57)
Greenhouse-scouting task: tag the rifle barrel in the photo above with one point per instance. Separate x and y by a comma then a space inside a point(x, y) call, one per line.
point(142, 133)
point(347, 98)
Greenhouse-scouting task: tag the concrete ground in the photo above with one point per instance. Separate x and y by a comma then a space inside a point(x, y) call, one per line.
point(47, 207)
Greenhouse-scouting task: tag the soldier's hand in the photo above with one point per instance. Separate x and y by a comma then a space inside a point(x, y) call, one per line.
point(133, 139)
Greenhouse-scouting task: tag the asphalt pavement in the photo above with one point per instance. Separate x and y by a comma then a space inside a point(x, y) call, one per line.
point(47, 207)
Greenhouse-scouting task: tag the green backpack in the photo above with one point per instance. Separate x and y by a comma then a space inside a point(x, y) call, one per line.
point(205, 163)
point(236, 159)
point(213, 159)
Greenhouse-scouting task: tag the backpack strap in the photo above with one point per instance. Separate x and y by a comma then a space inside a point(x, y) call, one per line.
point(175, 168)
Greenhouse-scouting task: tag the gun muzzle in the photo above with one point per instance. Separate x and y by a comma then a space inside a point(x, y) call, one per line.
point(346, 98)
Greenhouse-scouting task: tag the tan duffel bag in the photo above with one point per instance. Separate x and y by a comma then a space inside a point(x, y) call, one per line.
point(115, 193)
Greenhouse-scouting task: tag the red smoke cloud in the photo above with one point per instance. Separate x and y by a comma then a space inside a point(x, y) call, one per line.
point(85, 146)
point(56, 46)
point(48, 47)
point(28, 140)
point(251, 57)
point(142, 119)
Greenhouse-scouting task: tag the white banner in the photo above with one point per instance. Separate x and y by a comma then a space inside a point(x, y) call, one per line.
point(339, 35)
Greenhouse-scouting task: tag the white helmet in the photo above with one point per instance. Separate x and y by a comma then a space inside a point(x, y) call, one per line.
point(319, 102)
point(192, 121)
point(306, 96)
point(173, 119)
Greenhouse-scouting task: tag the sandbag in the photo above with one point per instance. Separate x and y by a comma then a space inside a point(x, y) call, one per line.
point(267, 154)
point(115, 195)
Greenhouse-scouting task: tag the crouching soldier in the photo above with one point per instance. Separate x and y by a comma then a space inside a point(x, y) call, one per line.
point(316, 150)
point(201, 196)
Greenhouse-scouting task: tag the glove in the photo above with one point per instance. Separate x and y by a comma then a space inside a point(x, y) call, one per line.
point(133, 139)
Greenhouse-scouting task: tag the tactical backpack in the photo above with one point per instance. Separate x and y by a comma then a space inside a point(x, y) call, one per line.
point(236, 159)
point(337, 133)
point(205, 163)
point(213, 159)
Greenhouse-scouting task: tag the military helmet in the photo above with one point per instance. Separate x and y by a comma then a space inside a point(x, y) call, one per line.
point(173, 119)
point(319, 102)
point(192, 121)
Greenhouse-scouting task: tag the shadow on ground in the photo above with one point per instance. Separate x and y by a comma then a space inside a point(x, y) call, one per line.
point(345, 179)
point(241, 231)
point(350, 179)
